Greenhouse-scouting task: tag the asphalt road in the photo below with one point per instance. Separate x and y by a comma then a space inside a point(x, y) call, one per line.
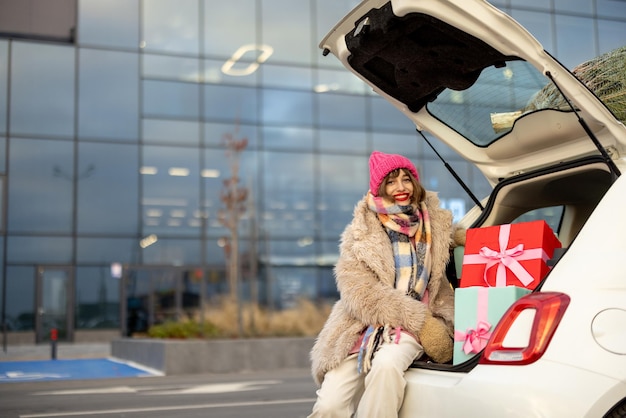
point(277, 394)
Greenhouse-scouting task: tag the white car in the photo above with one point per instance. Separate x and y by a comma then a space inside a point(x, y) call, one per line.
point(469, 75)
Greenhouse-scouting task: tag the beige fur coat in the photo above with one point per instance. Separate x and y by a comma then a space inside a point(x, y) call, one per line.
point(365, 274)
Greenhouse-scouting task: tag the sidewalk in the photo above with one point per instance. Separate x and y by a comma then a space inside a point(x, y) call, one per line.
point(63, 351)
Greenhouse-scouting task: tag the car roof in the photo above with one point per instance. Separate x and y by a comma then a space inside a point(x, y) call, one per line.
point(416, 53)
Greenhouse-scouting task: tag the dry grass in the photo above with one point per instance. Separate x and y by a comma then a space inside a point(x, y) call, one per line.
point(305, 320)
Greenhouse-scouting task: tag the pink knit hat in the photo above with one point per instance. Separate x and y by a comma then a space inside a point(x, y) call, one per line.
point(382, 164)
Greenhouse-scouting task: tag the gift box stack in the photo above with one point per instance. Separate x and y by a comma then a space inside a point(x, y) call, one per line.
point(500, 265)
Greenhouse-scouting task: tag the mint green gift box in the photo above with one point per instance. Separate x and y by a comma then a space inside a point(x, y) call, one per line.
point(477, 310)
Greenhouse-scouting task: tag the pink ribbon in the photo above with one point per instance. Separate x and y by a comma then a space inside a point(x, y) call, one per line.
point(506, 258)
point(475, 339)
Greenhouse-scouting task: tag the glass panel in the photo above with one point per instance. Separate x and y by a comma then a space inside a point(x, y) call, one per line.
point(243, 72)
point(611, 35)
point(214, 133)
point(217, 170)
point(342, 111)
point(170, 99)
point(339, 81)
point(574, 40)
point(230, 103)
point(344, 180)
point(552, 216)
point(218, 20)
point(97, 298)
point(174, 132)
point(108, 186)
point(54, 287)
point(170, 25)
point(3, 155)
point(4, 74)
point(107, 250)
point(177, 68)
point(283, 76)
point(611, 8)
point(287, 107)
point(40, 189)
point(138, 301)
point(385, 116)
point(288, 138)
point(281, 17)
point(171, 187)
point(34, 249)
point(292, 283)
point(42, 102)
point(408, 145)
point(95, 26)
point(175, 252)
point(347, 141)
point(20, 303)
point(108, 95)
point(532, 4)
point(539, 24)
point(289, 180)
point(578, 6)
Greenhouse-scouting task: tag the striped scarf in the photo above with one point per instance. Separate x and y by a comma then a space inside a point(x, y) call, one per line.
point(408, 228)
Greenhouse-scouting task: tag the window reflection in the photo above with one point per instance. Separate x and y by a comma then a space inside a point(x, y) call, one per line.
point(287, 208)
point(39, 249)
point(171, 186)
point(344, 181)
point(290, 107)
point(166, 67)
point(409, 145)
point(97, 301)
point(40, 192)
point(170, 25)
point(108, 95)
point(4, 73)
point(171, 251)
point(95, 26)
point(573, 41)
point(107, 188)
point(231, 103)
point(288, 137)
point(332, 140)
point(283, 76)
point(107, 250)
point(20, 303)
point(285, 30)
point(175, 132)
point(342, 111)
point(42, 102)
point(219, 19)
point(170, 99)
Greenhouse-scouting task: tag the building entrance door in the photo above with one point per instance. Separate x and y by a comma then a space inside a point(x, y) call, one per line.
point(54, 286)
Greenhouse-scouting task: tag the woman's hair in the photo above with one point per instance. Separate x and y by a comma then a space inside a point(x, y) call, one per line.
point(419, 193)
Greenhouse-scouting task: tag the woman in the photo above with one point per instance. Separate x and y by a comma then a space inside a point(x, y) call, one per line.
point(395, 301)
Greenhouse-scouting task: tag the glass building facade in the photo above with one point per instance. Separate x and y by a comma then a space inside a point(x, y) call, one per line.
point(113, 154)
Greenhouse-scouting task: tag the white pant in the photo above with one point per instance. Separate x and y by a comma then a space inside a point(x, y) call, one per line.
point(377, 394)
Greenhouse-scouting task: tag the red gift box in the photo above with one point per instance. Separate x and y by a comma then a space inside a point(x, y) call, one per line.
point(508, 255)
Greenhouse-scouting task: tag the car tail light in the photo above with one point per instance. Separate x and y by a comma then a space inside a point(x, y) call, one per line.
point(536, 316)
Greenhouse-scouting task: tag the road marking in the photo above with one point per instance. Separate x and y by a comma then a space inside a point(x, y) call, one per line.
point(156, 390)
point(104, 391)
point(216, 388)
point(169, 408)
point(18, 375)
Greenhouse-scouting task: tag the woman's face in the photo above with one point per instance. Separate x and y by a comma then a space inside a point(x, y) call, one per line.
point(400, 188)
